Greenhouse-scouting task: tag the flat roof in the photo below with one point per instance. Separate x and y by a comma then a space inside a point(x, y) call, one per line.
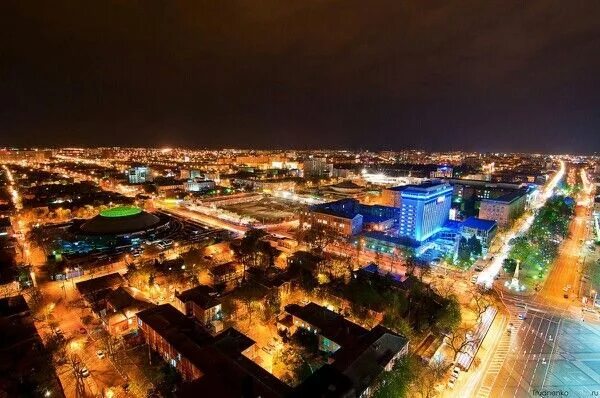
point(343, 208)
point(508, 197)
point(331, 324)
point(424, 186)
point(226, 371)
point(479, 223)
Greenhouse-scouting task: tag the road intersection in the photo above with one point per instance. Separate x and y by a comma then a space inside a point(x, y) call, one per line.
point(551, 347)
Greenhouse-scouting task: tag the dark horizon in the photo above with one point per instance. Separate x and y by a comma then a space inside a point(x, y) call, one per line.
point(464, 75)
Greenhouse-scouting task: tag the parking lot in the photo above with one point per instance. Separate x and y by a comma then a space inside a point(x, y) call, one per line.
point(267, 210)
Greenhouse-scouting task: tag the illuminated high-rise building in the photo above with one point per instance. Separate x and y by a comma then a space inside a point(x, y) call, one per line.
point(139, 174)
point(424, 209)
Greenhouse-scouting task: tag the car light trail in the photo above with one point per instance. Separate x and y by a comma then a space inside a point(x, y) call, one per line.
point(486, 277)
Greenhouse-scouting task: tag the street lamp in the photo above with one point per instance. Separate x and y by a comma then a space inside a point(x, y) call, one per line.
point(75, 345)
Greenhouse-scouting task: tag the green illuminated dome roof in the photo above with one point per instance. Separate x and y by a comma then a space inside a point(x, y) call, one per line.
point(121, 211)
point(120, 220)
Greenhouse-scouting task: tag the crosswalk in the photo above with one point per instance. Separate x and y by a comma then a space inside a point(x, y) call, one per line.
point(501, 352)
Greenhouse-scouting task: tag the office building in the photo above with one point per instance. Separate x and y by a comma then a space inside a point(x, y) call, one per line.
point(484, 230)
point(190, 174)
point(442, 172)
point(504, 209)
point(317, 167)
point(392, 196)
point(424, 209)
point(197, 185)
point(139, 174)
point(349, 217)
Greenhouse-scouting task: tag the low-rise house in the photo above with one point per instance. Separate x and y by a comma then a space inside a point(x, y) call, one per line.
point(94, 291)
point(122, 306)
point(214, 366)
point(277, 282)
point(333, 330)
point(360, 354)
point(201, 302)
point(227, 272)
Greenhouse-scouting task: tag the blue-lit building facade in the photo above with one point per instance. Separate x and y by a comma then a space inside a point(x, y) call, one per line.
point(348, 217)
point(424, 210)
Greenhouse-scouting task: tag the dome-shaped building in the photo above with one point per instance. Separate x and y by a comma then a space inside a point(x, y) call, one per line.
point(122, 220)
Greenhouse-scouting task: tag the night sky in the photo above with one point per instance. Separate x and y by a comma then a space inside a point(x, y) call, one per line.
point(438, 75)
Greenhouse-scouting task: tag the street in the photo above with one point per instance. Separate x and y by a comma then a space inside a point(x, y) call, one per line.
point(551, 348)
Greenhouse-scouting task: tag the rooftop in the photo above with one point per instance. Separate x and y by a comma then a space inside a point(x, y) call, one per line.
point(121, 211)
point(422, 187)
point(479, 223)
point(331, 325)
point(126, 297)
point(91, 286)
point(225, 269)
point(203, 296)
point(508, 197)
point(120, 220)
point(343, 208)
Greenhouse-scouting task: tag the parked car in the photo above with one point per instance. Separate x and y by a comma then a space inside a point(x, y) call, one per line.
point(100, 354)
point(451, 383)
point(456, 371)
point(84, 372)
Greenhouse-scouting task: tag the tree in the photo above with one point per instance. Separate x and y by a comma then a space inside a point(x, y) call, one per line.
point(249, 295)
point(449, 316)
point(271, 306)
point(460, 341)
point(481, 302)
point(167, 380)
point(398, 324)
point(395, 383)
point(76, 365)
point(424, 271)
point(474, 245)
point(410, 260)
point(427, 377)
point(319, 236)
point(252, 251)
point(464, 254)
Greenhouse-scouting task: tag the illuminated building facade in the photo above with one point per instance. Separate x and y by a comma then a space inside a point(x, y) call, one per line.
point(139, 174)
point(505, 209)
point(442, 172)
point(424, 209)
point(349, 217)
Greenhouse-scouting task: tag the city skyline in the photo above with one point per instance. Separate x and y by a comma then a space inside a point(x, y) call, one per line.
point(494, 77)
point(319, 198)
